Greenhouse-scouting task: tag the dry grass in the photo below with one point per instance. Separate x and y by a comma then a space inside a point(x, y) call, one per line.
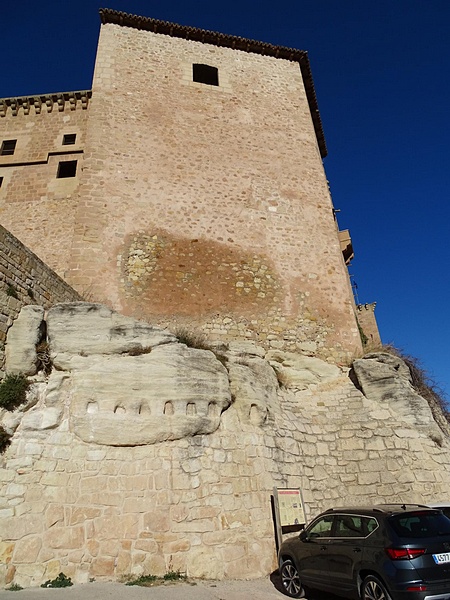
point(195, 339)
point(192, 339)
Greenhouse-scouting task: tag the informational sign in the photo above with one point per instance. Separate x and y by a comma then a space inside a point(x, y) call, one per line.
point(288, 511)
point(291, 508)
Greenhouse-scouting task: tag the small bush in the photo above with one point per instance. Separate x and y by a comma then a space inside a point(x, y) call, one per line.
point(5, 439)
point(13, 391)
point(11, 292)
point(59, 582)
point(14, 587)
point(152, 580)
point(174, 576)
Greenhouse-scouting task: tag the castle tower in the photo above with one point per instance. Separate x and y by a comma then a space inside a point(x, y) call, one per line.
point(201, 199)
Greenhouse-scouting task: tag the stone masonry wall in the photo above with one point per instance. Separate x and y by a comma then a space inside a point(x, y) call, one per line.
point(204, 206)
point(82, 494)
point(24, 280)
point(368, 324)
point(35, 205)
point(202, 505)
point(208, 204)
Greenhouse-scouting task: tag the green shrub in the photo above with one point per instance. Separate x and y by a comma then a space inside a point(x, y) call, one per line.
point(152, 580)
point(59, 582)
point(174, 576)
point(13, 391)
point(14, 587)
point(5, 439)
point(11, 291)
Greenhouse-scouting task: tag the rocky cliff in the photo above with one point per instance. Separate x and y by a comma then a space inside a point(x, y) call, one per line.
point(135, 453)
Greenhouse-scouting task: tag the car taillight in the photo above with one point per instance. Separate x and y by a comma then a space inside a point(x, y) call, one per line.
point(416, 588)
point(402, 553)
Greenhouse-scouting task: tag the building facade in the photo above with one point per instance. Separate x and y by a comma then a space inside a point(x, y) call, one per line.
point(186, 188)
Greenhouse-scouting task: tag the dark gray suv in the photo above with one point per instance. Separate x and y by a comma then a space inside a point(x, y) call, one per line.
point(385, 552)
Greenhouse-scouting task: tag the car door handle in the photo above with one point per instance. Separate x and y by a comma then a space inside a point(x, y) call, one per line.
point(356, 549)
point(323, 547)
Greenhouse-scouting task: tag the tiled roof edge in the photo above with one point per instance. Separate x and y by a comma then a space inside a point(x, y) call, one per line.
point(108, 15)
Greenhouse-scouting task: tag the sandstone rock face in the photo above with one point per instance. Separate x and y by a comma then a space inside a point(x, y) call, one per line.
point(386, 379)
point(171, 393)
point(298, 371)
point(131, 383)
point(254, 385)
point(137, 454)
point(83, 328)
point(20, 355)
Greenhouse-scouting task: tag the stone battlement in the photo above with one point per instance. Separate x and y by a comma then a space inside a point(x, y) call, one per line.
point(45, 103)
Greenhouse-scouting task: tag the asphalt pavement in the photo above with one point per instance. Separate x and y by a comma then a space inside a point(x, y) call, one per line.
point(257, 589)
point(260, 589)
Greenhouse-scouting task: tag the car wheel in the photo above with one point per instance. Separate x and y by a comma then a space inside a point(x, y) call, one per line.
point(290, 580)
point(373, 589)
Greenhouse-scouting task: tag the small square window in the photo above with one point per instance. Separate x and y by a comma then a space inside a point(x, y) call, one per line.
point(68, 168)
point(205, 74)
point(8, 147)
point(69, 139)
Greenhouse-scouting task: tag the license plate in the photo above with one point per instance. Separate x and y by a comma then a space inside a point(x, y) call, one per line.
point(442, 558)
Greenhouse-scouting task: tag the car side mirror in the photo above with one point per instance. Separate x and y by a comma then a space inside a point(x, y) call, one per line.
point(303, 536)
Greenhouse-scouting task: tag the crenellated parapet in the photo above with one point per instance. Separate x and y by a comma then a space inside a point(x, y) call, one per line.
point(60, 101)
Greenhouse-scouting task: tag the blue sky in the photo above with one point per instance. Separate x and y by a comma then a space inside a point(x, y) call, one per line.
point(381, 76)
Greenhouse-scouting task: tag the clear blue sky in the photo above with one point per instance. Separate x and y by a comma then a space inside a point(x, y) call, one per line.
point(381, 71)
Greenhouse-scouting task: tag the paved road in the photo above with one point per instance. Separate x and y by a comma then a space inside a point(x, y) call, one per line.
point(259, 589)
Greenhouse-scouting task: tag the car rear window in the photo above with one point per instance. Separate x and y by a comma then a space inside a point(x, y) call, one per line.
point(420, 524)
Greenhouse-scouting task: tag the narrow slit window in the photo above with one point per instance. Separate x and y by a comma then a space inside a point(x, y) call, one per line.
point(67, 168)
point(8, 147)
point(69, 139)
point(205, 74)
point(1, 181)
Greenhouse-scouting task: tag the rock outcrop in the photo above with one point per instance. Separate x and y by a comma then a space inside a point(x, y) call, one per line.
point(386, 379)
point(128, 383)
point(137, 454)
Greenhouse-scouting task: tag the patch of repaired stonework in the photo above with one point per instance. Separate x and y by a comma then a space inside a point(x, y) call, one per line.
point(165, 275)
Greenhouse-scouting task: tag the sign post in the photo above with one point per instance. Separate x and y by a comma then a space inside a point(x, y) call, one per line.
point(289, 511)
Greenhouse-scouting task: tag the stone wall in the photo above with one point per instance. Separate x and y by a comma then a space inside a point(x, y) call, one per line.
point(209, 205)
point(25, 279)
point(36, 205)
point(368, 324)
point(140, 455)
point(192, 204)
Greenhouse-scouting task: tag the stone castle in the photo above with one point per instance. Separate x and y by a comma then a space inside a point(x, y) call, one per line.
point(185, 193)
point(187, 186)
